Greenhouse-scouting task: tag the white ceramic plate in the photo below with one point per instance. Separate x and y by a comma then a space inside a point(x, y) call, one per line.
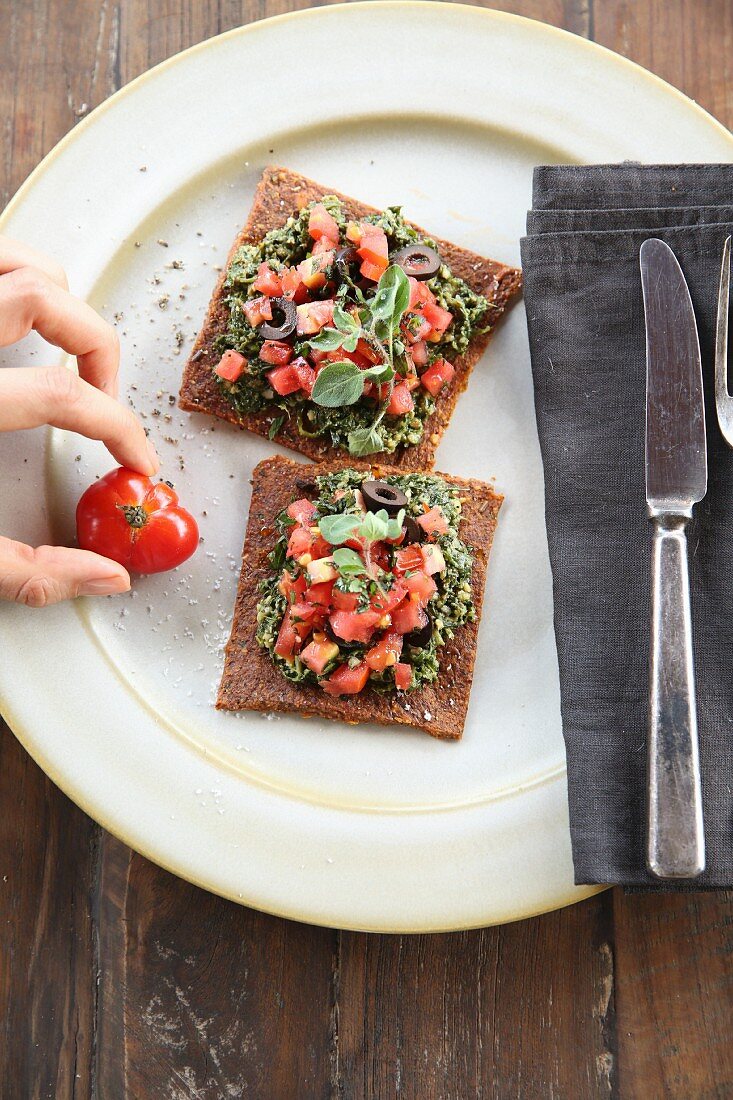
point(363, 828)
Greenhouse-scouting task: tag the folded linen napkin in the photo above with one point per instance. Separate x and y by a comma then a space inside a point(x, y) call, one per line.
point(586, 328)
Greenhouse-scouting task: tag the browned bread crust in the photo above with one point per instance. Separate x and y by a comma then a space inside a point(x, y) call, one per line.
point(251, 681)
point(278, 194)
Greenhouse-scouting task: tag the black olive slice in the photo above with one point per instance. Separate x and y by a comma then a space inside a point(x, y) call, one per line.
point(420, 637)
point(280, 330)
point(413, 531)
point(344, 259)
point(378, 494)
point(418, 260)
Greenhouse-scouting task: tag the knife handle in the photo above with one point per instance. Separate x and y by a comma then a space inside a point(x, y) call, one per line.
point(675, 837)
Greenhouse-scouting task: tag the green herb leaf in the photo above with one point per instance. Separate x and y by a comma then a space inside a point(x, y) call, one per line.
point(344, 321)
point(276, 426)
point(338, 384)
point(392, 297)
point(365, 441)
point(348, 562)
point(380, 373)
point(339, 528)
point(328, 339)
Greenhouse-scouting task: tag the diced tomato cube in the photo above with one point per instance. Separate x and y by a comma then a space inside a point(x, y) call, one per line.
point(433, 522)
point(416, 328)
point(293, 286)
point(317, 655)
point(268, 281)
point(320, 248)
point(439, 374)
point(385, 653)
point(312, 316)
point(312, 269)
point(322, 224)
point(368, 352)
point(293, 589)
point(408, 559)
point(320, 594)
point(300, 542)
point(419, 353)
point(274, 351)
point(346, 680)
point(287, 643)
point(354, 626)
point(422, 585)
point(411, 381)
point(283, 380)
point(386, 601)
point(371, 271)
point(305, 373)
point(440, 319)
point(408, 616)
point(402, 676)
point(257, 310)
point(420, 293)
point(231, 366)
point(344, 601)
point(321, 570)
point(400, 401)
point(433, 558)
point(304, 618)
point(302, 511)
point(353, 232)
point(373, 245)
point(320, 548)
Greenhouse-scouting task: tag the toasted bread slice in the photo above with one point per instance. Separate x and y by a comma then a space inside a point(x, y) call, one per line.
point(251, 681)
point(280, 193)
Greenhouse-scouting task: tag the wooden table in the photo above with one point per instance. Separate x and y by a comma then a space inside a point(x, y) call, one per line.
point(118, 980)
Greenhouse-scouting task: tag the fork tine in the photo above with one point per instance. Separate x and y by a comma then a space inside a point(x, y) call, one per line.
point(723, 400)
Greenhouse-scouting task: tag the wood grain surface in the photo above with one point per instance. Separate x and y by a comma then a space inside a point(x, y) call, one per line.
point(119, 981)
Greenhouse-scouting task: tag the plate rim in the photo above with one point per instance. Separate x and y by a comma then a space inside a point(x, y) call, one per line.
point(25, 736)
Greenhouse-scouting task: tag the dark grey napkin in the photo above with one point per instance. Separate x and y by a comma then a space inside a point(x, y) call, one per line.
point(586, 328)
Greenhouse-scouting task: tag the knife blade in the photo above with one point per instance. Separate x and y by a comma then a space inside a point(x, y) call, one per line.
point(676, 479)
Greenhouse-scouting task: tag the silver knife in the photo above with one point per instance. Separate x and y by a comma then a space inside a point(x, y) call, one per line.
point(676, 479)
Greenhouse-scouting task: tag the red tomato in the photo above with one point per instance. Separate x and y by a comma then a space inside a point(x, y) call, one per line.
point(433, 522)
point(408, 616)
point(136, 522)
point(402, 676)
point(300, 542)
point(231, 366)
point(373, 246)
point(304, 619)
point(317, 655)
point(439, 374)
point(344, 601)
point(423, 586)
point(287, 643)
point(408, 559)
point(268, 281)
point(274, 351)
point(385, 653)
point(420, 293)
point(419, 353)
point(292, 590)
point(312, 316)
point(302, 511)
point(439, 318)
point(354, 626)
point(257, 310)
point(368, 352)
point(400, 401)
point(305, 374)
point(321, 224)
point(320, 594)
point(347, 681)
point(353, 232)
point(283, 380)
point(384, 602)
point(371, 271)
point(293, 286)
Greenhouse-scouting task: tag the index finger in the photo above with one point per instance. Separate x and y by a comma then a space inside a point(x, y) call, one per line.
point(30, 299)
point(32, 396)
point(15, 254)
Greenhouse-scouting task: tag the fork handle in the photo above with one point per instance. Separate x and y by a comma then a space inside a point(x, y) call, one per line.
point(675, 837)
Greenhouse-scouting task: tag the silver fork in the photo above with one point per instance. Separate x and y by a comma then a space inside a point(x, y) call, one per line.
point(723, 400)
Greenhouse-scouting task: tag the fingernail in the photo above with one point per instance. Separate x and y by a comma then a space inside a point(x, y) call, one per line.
point(107, 586)
point(153, 456)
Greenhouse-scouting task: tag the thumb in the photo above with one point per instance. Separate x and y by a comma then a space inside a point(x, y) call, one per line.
point(48, 574)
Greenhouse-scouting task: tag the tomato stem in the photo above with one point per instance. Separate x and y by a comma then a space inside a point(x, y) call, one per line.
point(135, 514)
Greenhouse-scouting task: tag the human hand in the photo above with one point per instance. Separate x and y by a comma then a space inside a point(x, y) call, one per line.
point(34, 294)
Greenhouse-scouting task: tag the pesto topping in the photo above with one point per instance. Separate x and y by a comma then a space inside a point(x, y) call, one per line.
point(450, 606)
point(363, 321)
